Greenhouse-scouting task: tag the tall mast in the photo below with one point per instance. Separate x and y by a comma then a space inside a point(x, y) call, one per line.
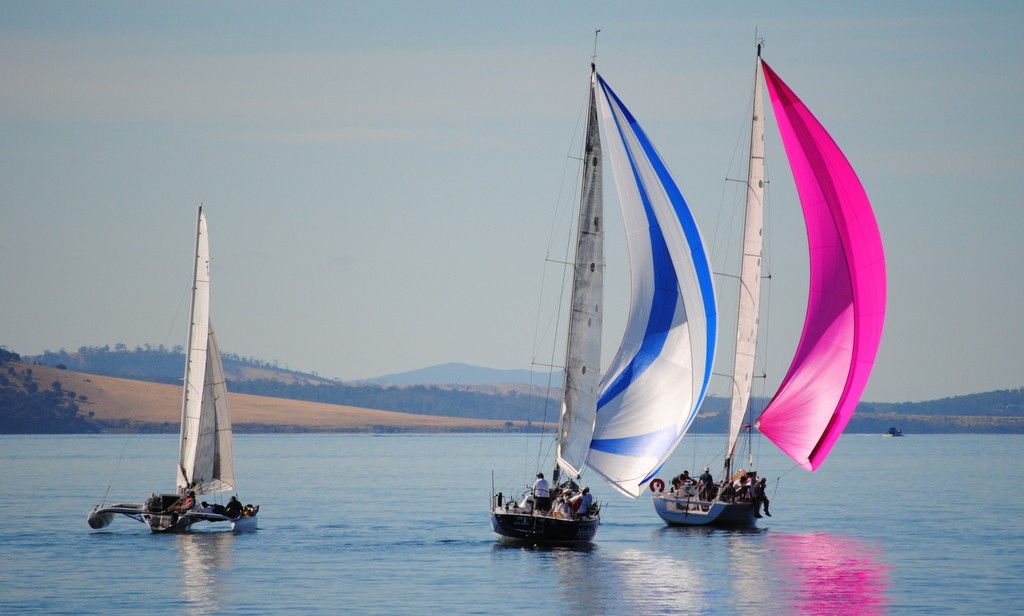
point(749, 303)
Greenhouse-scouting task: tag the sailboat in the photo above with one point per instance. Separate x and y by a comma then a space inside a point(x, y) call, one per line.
point(625, 425)
point(205, 460)
point(843, 323)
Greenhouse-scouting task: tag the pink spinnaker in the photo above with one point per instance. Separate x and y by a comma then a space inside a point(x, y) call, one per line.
point(846, 303)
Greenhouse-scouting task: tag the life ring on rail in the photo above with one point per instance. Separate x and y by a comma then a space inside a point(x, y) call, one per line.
point(657, 485)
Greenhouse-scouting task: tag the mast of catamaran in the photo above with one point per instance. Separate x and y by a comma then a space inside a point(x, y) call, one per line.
point(748, 309)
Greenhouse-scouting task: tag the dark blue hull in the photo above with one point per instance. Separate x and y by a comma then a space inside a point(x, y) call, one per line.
point(528, 528)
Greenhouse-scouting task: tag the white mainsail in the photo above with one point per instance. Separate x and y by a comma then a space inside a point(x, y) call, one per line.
point(749, 305)
point(583, 350)
point(205, 462)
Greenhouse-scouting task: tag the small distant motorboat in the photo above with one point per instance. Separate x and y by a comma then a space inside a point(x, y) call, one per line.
point(894, 431)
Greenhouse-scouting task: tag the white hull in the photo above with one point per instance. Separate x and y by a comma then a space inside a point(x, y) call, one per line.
point(684, 511)
point(244, 524)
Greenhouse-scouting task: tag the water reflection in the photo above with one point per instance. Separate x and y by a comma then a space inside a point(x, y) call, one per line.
point(512, 546)
point(597, 579)
point(658, 583)
point(204, 560)
point(825, 573)
point(693, 570)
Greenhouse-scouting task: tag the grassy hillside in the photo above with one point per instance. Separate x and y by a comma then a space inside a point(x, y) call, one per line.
point(114, 404)
point(266, 397)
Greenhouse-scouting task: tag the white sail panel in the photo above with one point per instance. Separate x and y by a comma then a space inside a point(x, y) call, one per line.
point(205, 442)
point(749, 304)
point(583, 352)
point(660, 374)
point(195, 357)
point(214, 468)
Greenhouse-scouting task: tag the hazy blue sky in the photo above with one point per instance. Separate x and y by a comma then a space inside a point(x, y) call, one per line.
point(380, 177)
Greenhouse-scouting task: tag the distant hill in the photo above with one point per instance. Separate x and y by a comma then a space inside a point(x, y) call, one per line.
point(463, 374)
point(473, 393)
point(36, 399)
point(504, 402)
point(161, 364)
point(31, 401)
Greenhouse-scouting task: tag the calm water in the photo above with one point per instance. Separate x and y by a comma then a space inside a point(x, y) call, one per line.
point(398, 525)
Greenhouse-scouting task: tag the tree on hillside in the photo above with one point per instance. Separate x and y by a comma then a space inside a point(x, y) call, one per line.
point(25, 409)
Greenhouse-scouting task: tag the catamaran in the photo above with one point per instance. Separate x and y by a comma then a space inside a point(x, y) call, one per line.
point(205, 461)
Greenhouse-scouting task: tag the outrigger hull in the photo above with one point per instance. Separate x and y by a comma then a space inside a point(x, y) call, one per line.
point(684, 511)
point(527, 528)
point(157, 522)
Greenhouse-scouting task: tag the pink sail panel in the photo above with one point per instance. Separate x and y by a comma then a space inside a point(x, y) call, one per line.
point(846, 303)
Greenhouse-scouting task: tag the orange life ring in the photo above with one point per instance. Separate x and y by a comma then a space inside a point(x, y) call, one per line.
point(657, 485)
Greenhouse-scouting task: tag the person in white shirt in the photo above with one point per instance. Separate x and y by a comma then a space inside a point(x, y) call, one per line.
point(581, 502)
point(562, 510)
point(541, 494)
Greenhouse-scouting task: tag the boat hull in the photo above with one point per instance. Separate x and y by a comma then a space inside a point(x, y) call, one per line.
point(157, 514)
point(167, 522)
point(690, 512)
point(244, 524)
point(528, 528)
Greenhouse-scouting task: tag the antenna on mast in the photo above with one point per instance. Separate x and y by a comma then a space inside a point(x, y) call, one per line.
point(593, 58)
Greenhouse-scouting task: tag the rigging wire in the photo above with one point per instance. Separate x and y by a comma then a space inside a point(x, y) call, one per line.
point(147, 391)
point(562, 220)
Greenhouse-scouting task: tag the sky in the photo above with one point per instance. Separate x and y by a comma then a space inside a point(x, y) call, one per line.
point(380, 178)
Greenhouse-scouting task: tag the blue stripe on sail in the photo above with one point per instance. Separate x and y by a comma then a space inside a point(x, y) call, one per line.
point(702, 267)
point(641, 445)
point(653, 474)
point(654, 340)
point(666, 286)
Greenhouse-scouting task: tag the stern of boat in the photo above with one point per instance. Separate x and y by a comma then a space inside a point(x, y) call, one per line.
point(683, 511)
point(525, 527)
point(244, 524)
